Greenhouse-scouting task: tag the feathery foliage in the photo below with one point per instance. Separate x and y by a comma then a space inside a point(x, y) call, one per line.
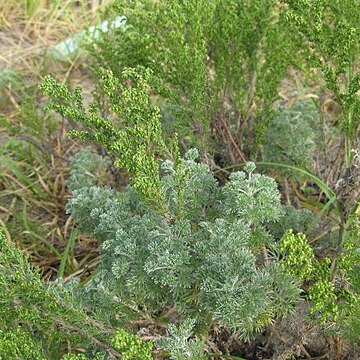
point(200, 257)
point(87, 169)
point(290, 139)
point(182, 345)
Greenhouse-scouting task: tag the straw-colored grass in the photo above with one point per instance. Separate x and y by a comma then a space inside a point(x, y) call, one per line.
point(28, 28)
point(33, 193)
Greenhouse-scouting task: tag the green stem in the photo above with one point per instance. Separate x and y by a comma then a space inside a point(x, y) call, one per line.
point(349, 120)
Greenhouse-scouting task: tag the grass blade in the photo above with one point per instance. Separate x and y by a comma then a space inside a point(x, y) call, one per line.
point(64, 256)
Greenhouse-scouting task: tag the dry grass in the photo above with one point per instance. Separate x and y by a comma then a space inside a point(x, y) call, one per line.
point(33, 196)
point(28, 28)
point(33, 169)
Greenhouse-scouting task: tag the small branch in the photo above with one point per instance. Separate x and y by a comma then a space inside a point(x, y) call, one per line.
point(286, 191)
point(265, 255)
point(100, 326)
point(324, 356)
point(95, 341)
point(327, 232)
point(304, 351)
point(233, 142)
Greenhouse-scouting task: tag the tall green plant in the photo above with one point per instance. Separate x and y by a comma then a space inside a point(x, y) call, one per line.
point(332, 32)
point(218, 63)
